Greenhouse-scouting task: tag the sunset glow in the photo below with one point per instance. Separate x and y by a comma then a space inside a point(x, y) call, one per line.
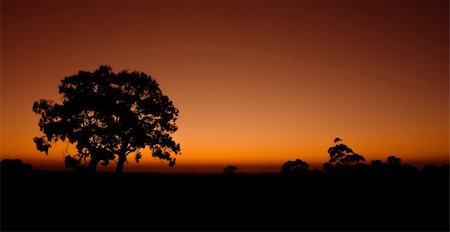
point(257, 82)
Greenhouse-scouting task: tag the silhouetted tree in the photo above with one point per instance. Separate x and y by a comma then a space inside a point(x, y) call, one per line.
point(230, 170)
point(294, 167)
point(392, 160)
point(108, 115)
point(341, 153)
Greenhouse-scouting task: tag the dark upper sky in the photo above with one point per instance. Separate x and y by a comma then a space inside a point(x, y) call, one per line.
point(256, 82)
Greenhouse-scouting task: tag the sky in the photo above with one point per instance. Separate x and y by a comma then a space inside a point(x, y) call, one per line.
point(257, 82)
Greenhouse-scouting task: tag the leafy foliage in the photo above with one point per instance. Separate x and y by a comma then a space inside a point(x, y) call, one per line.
point(108, 115)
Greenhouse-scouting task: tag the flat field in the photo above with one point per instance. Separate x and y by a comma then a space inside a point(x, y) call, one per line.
point(61, 201)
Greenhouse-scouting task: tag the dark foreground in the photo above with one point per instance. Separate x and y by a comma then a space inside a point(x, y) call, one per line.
point(65, 201)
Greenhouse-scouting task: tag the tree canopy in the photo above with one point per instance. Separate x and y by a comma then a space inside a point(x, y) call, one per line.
point(108, 116)
point(294, 167)
point(341, 153)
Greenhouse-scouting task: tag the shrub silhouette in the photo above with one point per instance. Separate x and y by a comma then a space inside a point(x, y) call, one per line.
point(229, 170)
point(108, 115)
point(392, 160)
point(14, 166)
point(294, 167)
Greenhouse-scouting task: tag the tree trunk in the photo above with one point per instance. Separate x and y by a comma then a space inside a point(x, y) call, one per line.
point(92, 166)
point(120, 163)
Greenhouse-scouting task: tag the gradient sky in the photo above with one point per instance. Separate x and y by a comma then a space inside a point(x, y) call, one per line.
point(256, 82)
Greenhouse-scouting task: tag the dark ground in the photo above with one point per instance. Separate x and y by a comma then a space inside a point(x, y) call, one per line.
point(61, 201)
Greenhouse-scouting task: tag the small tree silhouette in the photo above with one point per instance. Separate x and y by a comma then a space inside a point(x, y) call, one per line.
point(108, 115)
point(392, 160)
point(341, 153)
point(229, 170)
point(294, 167)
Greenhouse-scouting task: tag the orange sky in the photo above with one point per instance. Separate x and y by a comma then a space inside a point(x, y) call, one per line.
point(257, 82)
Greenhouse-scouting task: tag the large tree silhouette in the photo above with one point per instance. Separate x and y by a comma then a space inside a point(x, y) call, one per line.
point(108, 116)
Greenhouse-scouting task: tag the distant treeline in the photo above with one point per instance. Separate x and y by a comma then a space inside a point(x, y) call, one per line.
point(343, 160)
